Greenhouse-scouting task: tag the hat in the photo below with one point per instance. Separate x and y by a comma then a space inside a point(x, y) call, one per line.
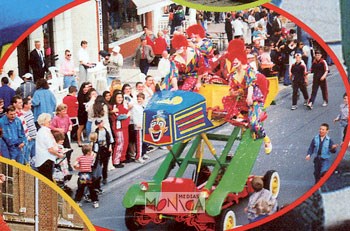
point(98, 121)
point(27, 76)
point(116, 49)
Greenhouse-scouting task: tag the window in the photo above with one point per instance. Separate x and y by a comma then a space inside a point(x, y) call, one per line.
point(123, 20)
point(49, 43)
point(7, 189)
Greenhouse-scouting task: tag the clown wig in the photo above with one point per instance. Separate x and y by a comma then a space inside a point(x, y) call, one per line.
point(195, 29)
point(236, 49)
point(179, 41)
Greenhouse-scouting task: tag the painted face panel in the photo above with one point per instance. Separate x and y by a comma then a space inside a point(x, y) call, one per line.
point(157, 128)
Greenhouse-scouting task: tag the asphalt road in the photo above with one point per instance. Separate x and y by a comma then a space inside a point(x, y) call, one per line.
point(291, 133)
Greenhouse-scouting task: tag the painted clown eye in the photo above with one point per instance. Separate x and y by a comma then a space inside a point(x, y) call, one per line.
point(153, 123)
point(161, 123)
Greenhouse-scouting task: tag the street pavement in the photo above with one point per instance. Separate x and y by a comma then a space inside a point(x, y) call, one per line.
point(291, 133)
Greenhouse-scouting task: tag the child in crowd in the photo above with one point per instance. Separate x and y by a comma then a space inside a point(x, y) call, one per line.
point(343, 115)
point(137, 112)
point(104, 148)
point(116, 85)
point(84, 166)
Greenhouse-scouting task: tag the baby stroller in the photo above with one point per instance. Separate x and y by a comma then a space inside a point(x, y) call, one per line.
point(61, 174)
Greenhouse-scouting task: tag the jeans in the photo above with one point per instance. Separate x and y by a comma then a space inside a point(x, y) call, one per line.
point(16, 154)
point(88, 128)
point(286, 80)
point(29, 150)
point(321, 166)
point(69, 81)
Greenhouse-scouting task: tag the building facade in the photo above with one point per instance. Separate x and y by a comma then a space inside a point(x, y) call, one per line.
point(18, 199)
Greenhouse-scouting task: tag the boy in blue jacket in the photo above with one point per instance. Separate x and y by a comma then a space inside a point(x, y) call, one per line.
point(322, 146)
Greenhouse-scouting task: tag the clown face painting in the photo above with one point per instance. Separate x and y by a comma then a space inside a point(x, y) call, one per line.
point(158, 127)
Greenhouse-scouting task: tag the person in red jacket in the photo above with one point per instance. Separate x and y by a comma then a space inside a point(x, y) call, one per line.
point(160, 45)
point(120, 119)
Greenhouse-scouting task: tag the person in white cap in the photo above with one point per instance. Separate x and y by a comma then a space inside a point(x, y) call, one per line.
point(27, 88)
point(114, 64)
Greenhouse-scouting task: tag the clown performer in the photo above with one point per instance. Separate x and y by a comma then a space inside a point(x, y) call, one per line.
point(205, 46)
point(245, 90)
point(188, 66)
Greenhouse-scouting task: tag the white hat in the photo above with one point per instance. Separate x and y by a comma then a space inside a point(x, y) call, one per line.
point(27, 75)
point(116, 49)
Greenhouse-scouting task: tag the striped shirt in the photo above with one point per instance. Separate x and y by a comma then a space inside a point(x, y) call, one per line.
point(85, 163)
point(30, 129)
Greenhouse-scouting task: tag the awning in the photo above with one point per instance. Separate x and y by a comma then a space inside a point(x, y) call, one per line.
point(144, 6)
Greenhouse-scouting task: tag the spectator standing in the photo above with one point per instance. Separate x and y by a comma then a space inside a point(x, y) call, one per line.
point(13, 134)
point(84, 61)
point(27, 88)
point(104, 148)
point(67, 69)
point(84, 166)
point(43, 100)
point(298, 76)
point(62, 123)
point(228, 27)
point(137, 112)
point(343, 115)
point(120, 119)
point(321, 146)
point(4, 151)
point(37, 62)
point(90, 111)
point(2, 109)
point(14, 80)
point(83, 98)
point(30, 129)
point(114, 64)
point(160, 45)
point(261, 202)
point(163, 66)
point(6, 92)
point(143, 56)
point(320, 70)
point(71, 101)
point(149, 87)
point(129, 103)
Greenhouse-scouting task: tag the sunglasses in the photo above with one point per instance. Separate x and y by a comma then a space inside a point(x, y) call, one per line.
point(69, 55)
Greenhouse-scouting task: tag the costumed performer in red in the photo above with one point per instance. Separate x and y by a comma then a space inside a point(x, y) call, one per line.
point(245, 91)
point(188, 66)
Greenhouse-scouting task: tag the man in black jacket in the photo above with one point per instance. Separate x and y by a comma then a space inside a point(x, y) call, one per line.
point(37, 61)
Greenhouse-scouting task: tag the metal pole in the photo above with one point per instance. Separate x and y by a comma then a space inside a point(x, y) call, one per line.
point(36, 216)
point(345, 29)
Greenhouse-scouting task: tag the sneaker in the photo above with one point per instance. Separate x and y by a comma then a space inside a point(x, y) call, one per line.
point(145, 156)
point(140, 160)
point(98, 191)
point(268, 145)
point(305, 102)
point(294, 107)
point(309, 105)
point(87, 198)
point(325, 104)
point(120, 165)
point(95, 204)
point(104, 181)
point(79, 203)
